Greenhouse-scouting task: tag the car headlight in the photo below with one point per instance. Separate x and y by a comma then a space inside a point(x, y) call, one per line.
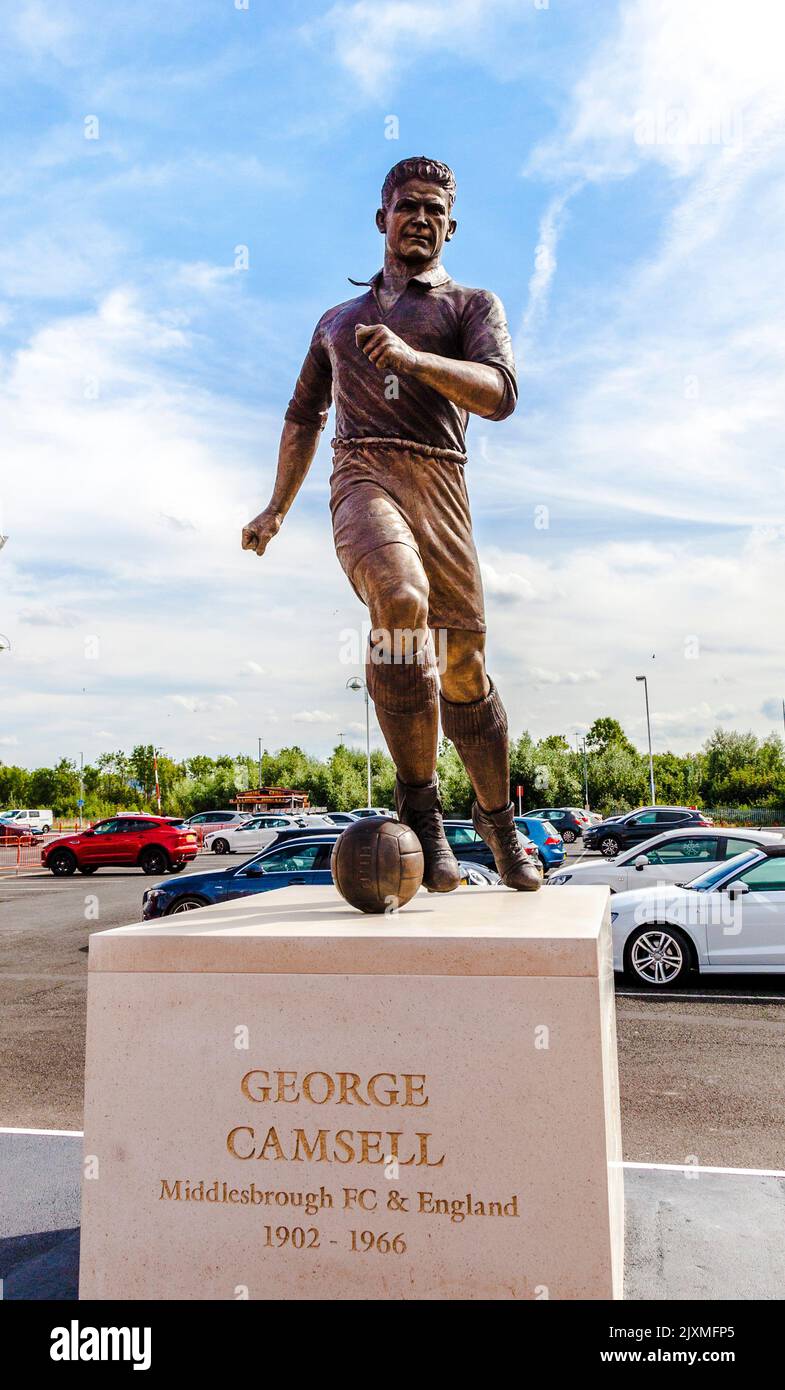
point(560, 878)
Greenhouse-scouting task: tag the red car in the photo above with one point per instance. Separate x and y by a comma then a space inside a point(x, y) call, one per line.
point(11, 834)
point(151, 842)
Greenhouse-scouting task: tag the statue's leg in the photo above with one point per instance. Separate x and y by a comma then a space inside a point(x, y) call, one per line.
point(474, 718)
point(400, 668)
point(403, 683)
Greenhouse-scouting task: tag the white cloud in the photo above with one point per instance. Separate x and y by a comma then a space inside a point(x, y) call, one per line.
point(373, 40)
point(42, 615)
point(544, 265)
point(203, 705)
point(506, 586)
point(684, 85)
point(540, 677)
point(44, 31)
point(313, 716)
point(202, 276)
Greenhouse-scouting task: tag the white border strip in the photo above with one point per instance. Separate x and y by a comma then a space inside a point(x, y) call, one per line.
point(58, 1133)
point(689, 1168)
point(686, 1168)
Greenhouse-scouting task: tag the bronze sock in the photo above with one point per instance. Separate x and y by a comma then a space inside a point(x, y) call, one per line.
point(478, 728)
point(405, 696)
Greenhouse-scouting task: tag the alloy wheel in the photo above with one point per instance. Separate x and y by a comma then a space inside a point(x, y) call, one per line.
point(657, 957)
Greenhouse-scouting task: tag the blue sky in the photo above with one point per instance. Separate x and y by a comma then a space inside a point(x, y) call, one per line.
point(620, 186)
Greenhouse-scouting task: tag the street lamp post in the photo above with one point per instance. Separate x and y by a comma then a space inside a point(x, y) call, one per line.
point(580, 743)
point(354, 683)
point(648, 728)
point(260, 762)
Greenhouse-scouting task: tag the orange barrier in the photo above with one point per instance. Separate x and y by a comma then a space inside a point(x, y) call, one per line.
point(20, 856)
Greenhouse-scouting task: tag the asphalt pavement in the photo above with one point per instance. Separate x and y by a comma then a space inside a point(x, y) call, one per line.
point(702, 1070)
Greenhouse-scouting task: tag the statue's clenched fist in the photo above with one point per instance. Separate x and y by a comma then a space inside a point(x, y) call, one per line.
point(259, 532)
point(384, 348)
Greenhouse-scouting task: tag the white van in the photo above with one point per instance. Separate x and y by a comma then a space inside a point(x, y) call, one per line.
point(40, 820)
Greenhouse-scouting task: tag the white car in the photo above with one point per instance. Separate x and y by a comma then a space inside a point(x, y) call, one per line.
point(251, 836)
point(673, 857)
point(30, 820)
point(729, 920)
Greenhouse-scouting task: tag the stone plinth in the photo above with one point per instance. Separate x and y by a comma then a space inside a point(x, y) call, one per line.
point(286, 1099)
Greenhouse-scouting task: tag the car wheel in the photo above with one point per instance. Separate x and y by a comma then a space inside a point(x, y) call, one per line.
point(220, 846)
point(658, 956)
point(87, 868)
point(568, 837)
point(610, 847)
point(45, 829)
point(62, 863)
point(543, 864)
point(185, 905)
point(154, 860)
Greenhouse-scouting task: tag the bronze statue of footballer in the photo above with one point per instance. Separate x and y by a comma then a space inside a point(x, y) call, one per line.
point(406, 363)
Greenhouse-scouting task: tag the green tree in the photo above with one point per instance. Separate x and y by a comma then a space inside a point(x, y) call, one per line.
point(14, 787)
point(454, 785)
point(607, 732)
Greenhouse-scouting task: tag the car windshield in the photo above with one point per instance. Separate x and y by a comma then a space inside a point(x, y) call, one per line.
point(708, 880)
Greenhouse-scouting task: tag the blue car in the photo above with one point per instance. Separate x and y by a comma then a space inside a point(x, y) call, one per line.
point(550, 845)
point(289, 860)
point(305, 860)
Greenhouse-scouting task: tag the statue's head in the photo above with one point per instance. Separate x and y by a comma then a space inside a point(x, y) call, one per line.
point(415, 215)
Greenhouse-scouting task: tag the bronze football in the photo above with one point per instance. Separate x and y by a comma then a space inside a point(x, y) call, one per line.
point(377, 864)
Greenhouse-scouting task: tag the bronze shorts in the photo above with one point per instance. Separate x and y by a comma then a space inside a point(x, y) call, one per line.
point(383, 494)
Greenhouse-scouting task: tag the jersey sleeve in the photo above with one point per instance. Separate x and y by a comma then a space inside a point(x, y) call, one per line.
point(312, 397)
point(485, 338)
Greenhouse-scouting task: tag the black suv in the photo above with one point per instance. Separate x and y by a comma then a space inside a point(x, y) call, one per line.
point(612, 836)
point(570, 821)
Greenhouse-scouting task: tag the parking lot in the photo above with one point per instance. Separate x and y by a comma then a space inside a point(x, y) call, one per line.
point(702, 1070)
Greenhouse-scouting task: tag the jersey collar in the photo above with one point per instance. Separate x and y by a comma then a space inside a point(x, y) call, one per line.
point(428, 280)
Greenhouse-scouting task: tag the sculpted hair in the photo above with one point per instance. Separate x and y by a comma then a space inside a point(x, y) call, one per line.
point(419, 167)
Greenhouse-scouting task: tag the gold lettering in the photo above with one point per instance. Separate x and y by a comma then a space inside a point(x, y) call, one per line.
point(246, 1083)
point(392, 1094)
point(172, 1194)
point(411, 1090)
point(329, 1087)
point(346, 1144)
point(272, 1141)
point(348, 1081)
point(230, 1143)
point(394, 1135)
point(366, 1137)
point(309, 1153)
point(424, 1160)
point(283, 1085)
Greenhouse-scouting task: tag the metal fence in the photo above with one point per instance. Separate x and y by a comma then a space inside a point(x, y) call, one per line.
point(747, 815)
point(22, 855)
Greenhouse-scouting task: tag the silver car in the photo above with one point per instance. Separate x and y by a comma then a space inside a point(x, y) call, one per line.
point(673, 857)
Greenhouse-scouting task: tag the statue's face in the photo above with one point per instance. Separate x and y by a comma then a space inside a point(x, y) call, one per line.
point(417, 223)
